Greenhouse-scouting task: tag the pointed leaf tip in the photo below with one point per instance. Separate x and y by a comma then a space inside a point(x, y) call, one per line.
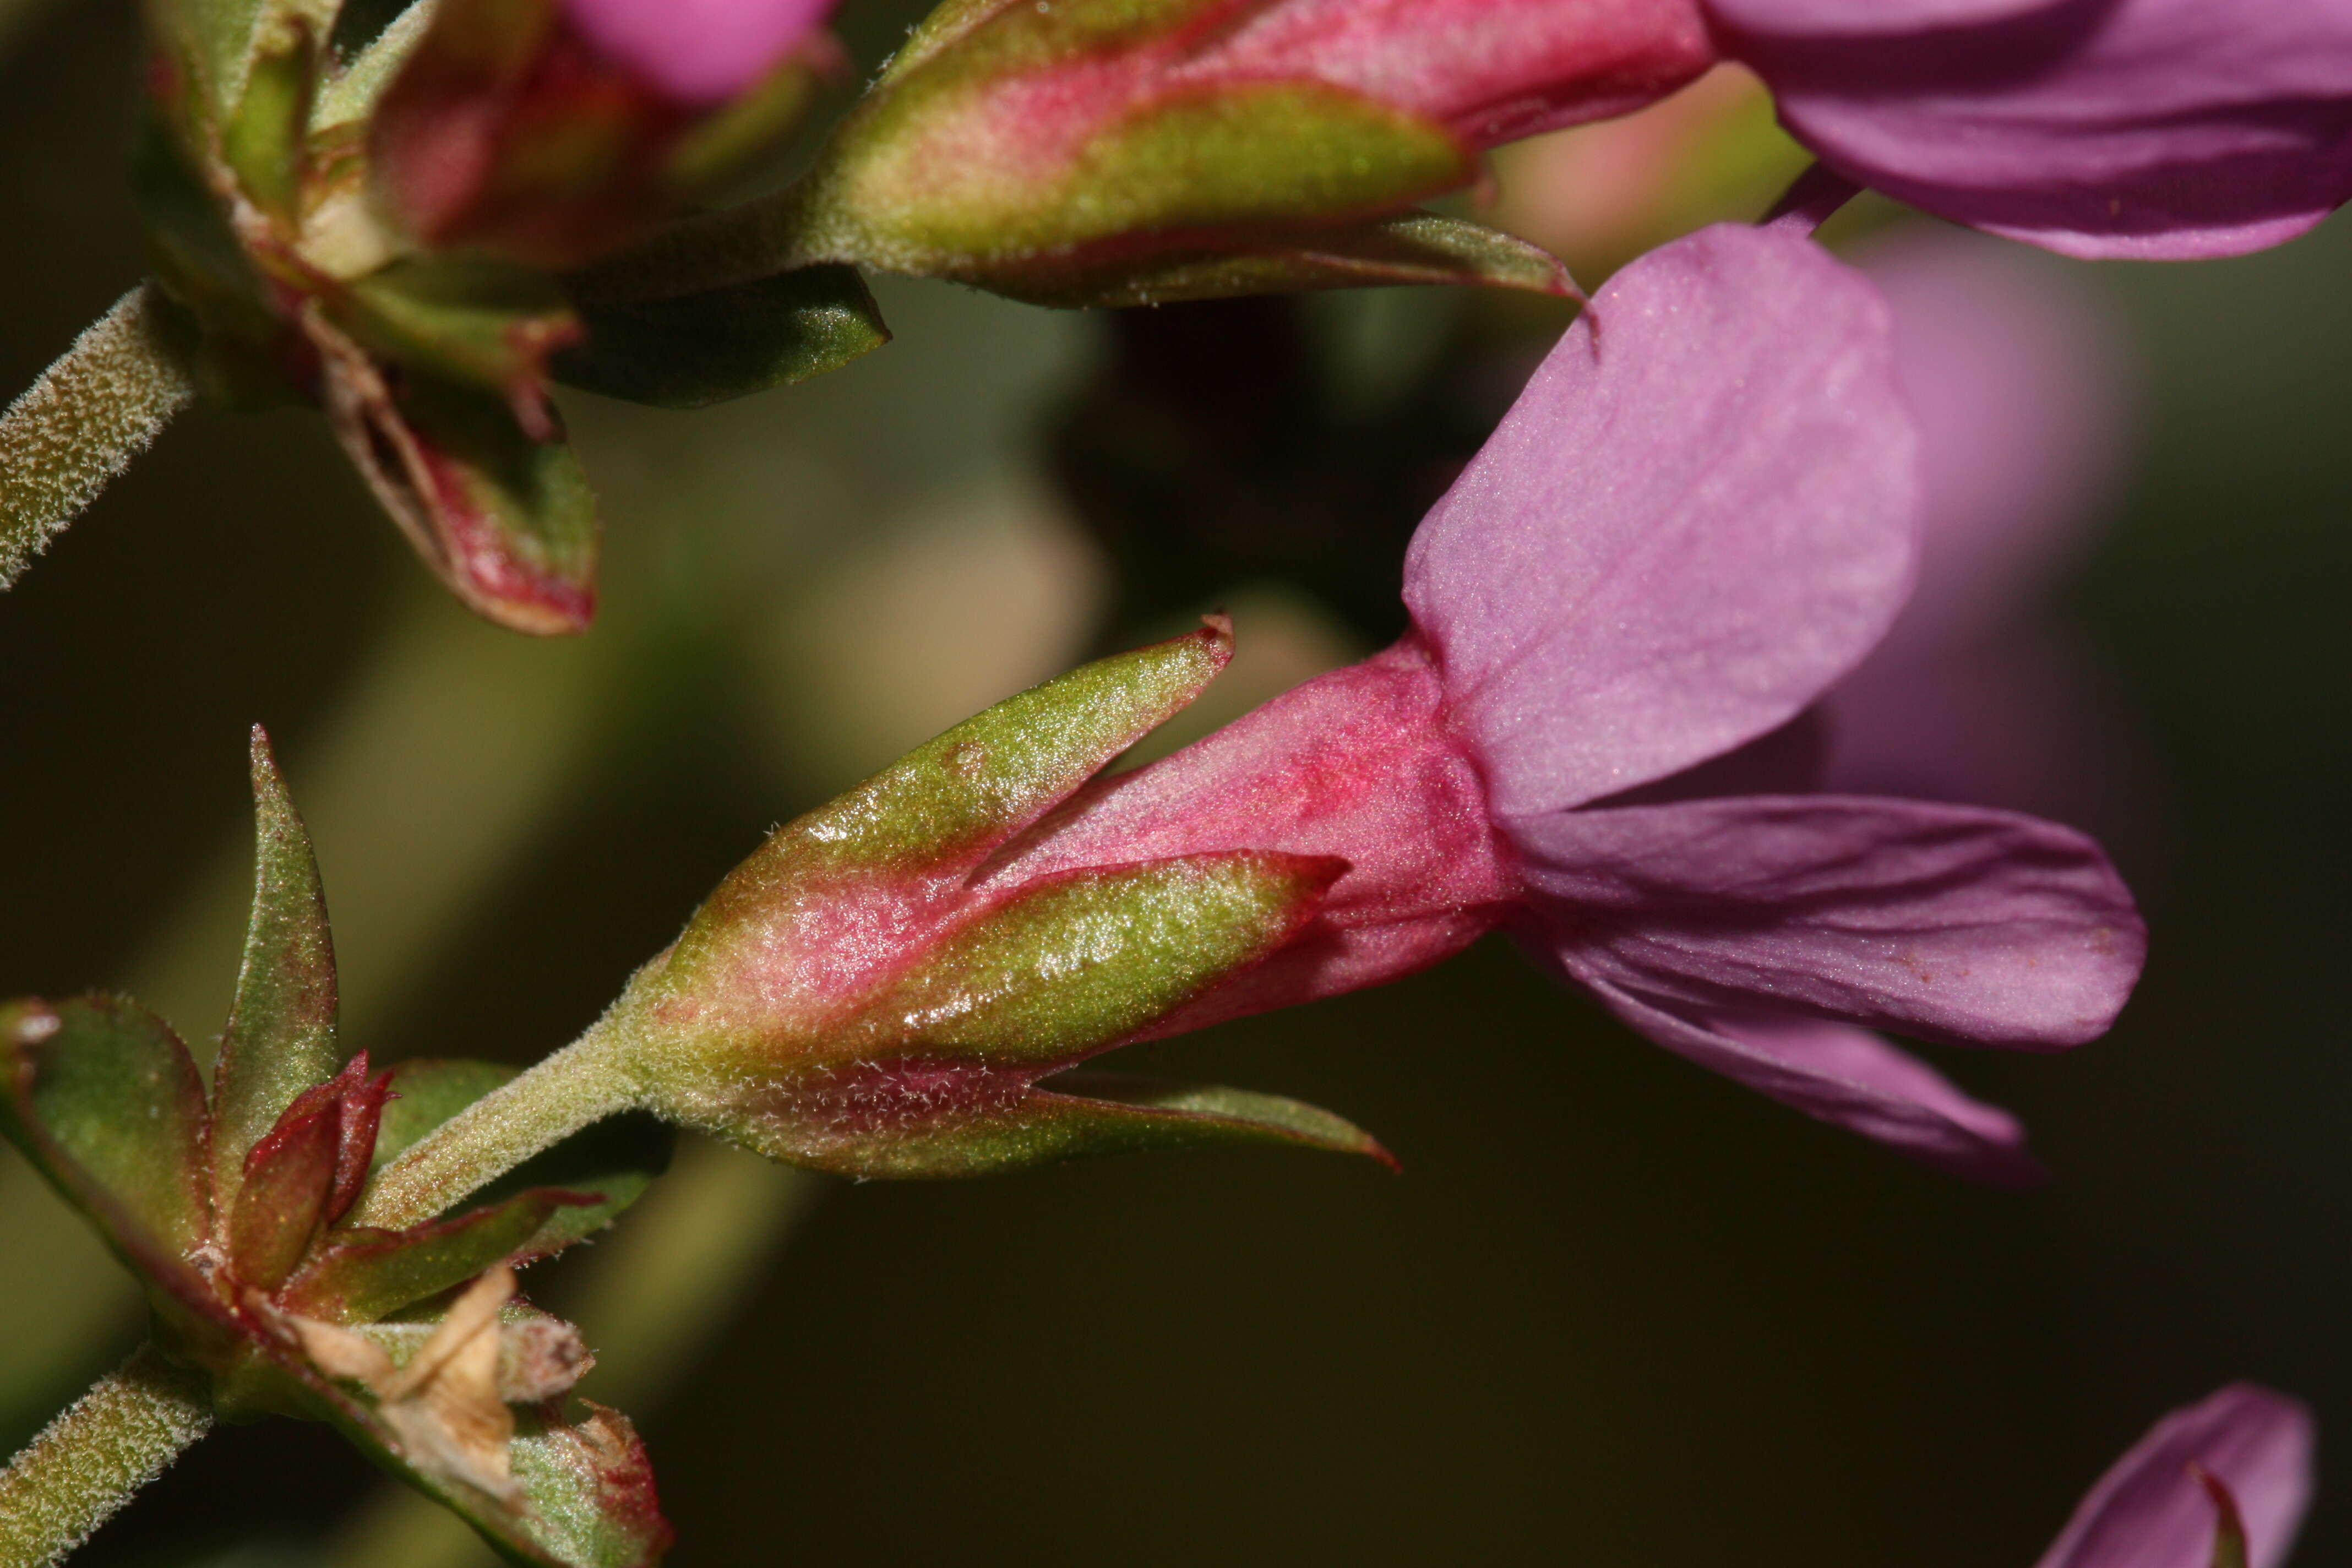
point(1109, 1112)
point(281, 1039)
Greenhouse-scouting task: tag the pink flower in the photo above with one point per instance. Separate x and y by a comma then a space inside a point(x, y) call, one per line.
point(1700, 514)
point(2239, 1462)
point(2124, 127)
point(700, 52)
point(1977, 693)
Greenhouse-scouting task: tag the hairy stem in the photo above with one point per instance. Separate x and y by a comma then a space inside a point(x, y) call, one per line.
point(114, 1439)
point(81, 424)
point(585, 1081)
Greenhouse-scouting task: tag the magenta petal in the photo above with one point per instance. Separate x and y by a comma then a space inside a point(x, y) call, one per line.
point(1845, 1075)
point(2127, 128)
point(2148, 1511)
point(698, 51)
point(1700, 512)
point(1494, 70)
point(1950, 923)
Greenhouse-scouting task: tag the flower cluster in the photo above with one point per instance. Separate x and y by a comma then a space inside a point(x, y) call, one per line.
point(1696, 524)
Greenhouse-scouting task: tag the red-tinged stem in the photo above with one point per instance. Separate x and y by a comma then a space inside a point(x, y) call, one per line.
point(89, 1461)
point(585, 1081)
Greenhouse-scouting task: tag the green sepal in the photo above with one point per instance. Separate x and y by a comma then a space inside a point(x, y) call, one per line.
point(909, 183)
point(106, 1102)
point(701, 349)
point(1265, 152)
point(1081, 1113)
point(1079, 962)
point(363, 1274)
point(281, 1037)
point(264, 139)
point(484, 321)
point(212, 41)
point(1406, 249)
point(952, 800)
point(610, 1164)
point(506, 522)
point(350, 95)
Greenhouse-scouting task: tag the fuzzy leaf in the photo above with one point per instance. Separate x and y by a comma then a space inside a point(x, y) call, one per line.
point(1078, 962)
point(591, 1488)
point(611, 1164)
point(364, 1274)
point(105, 1100)
point(281, 1039)
point(1407, 248)
point(701, 349)
point(507, 522)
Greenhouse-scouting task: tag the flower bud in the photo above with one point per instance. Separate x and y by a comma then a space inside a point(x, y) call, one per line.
point(852, 998)
point(1097, 151)
point(551, 132)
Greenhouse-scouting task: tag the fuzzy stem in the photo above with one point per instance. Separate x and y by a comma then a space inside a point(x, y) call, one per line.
point(81, 424)
point(114, 1440)
point(585, 1081)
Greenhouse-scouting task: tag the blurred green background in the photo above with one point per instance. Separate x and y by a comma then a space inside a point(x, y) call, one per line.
point(1615, 1309)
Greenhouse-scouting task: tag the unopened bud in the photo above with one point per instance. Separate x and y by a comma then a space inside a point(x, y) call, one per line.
point(855, 998)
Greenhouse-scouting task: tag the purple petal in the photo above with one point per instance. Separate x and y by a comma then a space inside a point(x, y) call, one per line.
point(2134, 128)
point(2148, 1511)
point(1840, 1075)
point(2018, 382)
point(1950, 923)
point(698, 51)
point(1700, 512)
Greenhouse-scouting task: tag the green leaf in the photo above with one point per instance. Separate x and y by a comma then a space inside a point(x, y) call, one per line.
point(506, 522)
point(281, 1039)
point(701, 349)
point(1074, 964)
point(1406, 249)
point(105, 1100)
point(363, 1275)
point(611, 1163)
point(591, 1488)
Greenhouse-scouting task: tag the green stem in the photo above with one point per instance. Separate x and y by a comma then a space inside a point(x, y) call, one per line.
point(586, 1081)
point(114, 1439)
point(81, 424)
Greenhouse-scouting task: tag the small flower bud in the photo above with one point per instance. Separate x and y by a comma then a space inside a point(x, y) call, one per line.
point(852, 998)
point(1093, 152)
point(551, 131)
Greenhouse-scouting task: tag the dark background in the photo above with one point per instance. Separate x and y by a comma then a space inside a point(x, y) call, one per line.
point(1615, 1309)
